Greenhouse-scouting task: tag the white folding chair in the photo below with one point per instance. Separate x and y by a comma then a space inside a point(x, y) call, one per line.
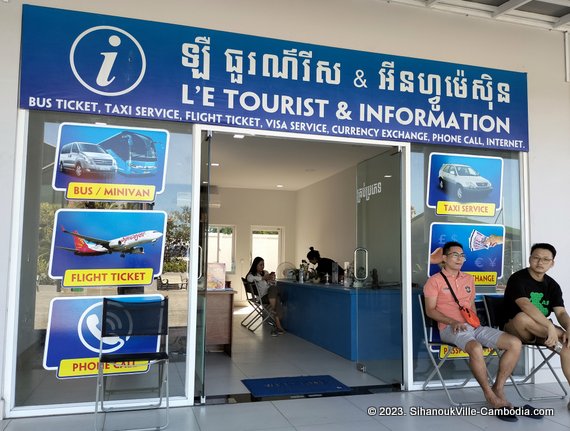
point(495, 315)
point(433, 340)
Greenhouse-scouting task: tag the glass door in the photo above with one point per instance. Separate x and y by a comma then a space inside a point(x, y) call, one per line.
point(378, 267)
point(200, 368)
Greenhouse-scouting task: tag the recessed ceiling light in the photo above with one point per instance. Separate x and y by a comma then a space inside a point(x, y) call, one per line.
point(239, 136)
point(280, 186)
point(387, 176)
point(214, 164)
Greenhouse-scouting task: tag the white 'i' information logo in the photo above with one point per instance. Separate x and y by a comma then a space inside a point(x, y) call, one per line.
point(97, 57)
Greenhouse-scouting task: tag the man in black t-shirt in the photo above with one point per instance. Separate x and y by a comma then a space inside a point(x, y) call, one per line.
point(531, 295)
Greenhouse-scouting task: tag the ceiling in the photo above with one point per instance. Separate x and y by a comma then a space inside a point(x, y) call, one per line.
point(257, 162)
point(548, 14)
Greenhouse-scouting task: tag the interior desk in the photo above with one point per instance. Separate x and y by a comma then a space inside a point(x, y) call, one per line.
point(367, 327)
point(219, 313)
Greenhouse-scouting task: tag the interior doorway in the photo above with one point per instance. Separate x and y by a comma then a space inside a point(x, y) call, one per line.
point(307, 187)
point(266, 242)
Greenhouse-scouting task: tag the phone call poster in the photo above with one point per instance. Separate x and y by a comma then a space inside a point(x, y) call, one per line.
point(74, 335)
point(92, 248)
point(482, 246)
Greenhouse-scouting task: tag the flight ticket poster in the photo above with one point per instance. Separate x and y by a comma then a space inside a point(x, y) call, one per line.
point(93, 248)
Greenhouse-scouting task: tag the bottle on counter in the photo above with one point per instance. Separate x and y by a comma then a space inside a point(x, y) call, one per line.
point(347, 274)
point(301, 276)
point(334, 277)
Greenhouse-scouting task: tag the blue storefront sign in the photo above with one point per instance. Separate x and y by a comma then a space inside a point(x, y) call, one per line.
point(74, 335)
point(97, 64)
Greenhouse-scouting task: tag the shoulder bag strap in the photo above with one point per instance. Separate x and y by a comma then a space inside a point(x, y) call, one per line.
point(449, 285)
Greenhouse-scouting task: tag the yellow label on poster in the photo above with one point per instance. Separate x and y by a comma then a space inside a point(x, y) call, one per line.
point(84, 367)
point(472, 209)
point(484, 278)
point(456, 352)
point(110, 192)
point(107, 277)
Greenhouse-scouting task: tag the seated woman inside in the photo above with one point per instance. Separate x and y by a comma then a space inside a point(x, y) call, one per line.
point(324, 266)
point(267, 288)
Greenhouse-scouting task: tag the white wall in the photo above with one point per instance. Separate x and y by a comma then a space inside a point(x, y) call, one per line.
point(245, 208)
point(367, 25)
point(326, 218)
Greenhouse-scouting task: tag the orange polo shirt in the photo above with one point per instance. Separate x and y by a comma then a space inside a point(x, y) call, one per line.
point(464, 287)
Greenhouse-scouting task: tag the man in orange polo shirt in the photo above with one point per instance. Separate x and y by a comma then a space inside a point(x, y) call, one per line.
point(441, 307)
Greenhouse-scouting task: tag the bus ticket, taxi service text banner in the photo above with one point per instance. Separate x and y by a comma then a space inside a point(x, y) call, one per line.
point(105, 65)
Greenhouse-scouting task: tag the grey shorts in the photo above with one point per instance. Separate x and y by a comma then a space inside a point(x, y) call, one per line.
point(487, 336)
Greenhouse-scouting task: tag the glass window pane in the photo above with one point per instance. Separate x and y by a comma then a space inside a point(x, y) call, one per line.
point(509, 215)
point(221, 246)
point(36, 386)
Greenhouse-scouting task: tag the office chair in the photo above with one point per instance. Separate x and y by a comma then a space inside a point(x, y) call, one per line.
point(140, 323)
point(432, 340)
point(494, 307)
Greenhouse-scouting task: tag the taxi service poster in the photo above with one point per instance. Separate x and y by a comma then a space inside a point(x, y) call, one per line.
point(482, 245)
point(464, 185)
point(108, 163)
point(93, 248)
point(74, 335)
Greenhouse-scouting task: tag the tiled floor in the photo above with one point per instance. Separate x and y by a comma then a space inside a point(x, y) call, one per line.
point(260, 355)
point(316, 414)
point(257, 354)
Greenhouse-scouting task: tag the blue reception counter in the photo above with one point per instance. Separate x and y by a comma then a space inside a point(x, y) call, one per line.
point(357, 324)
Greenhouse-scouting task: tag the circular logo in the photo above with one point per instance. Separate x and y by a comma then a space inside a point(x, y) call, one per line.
point(89, 329)
point(107, 61)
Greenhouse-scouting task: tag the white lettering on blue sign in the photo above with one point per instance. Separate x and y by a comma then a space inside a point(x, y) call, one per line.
point(196, 75)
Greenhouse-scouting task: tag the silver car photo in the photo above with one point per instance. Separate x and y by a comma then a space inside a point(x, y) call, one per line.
point(461, 181)
point(84, 158)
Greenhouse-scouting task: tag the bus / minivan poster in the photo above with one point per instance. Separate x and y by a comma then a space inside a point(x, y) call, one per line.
point(93, 248)
point(464, 185)
point(110, 163)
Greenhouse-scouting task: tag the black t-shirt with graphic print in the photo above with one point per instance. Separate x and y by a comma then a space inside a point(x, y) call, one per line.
point(545, 294)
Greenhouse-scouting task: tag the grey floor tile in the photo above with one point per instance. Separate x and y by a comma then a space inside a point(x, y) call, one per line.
point(326, 410)
point(354, 426)
point(240, 417)
point(53, 423)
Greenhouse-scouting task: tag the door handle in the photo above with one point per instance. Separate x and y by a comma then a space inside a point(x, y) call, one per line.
point(200, 262)
point(356, 252)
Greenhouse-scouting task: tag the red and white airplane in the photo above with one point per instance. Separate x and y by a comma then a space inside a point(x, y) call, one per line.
point(128, 244)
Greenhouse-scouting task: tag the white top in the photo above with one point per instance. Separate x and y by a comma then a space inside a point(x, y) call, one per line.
point(261, 284)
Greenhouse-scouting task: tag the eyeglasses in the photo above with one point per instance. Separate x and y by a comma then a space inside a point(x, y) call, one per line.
point(541, 259)
point(457, 255)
